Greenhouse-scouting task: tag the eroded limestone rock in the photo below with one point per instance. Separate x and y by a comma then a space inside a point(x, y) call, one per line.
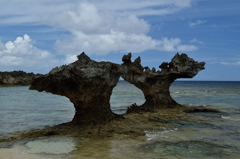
point(87, 83)
point(155, 85)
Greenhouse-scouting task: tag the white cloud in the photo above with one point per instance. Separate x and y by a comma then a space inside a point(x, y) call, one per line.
point(70, 58)
point(25, 11)
point(96, 32)
point(143, 7)
point(117, 42)
point(184, 48)
point(230, 63)
point(192, 24)
point(30, 11)
point(22, 55)
point(88, 19)
point(96, 27)
point(196, 41)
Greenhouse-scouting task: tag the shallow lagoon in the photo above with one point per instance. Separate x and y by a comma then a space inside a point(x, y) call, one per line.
point(213, 135)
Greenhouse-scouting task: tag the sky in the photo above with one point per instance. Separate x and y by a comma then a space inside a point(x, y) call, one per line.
point(38, 35)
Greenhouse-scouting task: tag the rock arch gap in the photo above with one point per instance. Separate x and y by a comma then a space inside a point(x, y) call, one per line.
point(124, 95)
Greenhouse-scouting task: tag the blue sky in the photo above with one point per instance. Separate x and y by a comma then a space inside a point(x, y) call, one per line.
point(36, 36)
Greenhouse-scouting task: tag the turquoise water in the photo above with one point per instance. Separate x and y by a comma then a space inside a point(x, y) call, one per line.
point(213, 135)
point(23, 109)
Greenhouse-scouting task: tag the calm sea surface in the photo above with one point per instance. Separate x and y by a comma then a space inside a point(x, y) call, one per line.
point(217, 135)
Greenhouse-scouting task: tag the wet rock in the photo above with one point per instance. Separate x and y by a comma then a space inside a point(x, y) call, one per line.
point(155, 85)
point(88, 85)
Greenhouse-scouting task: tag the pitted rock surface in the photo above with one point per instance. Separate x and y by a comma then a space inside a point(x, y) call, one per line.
point(88, 84)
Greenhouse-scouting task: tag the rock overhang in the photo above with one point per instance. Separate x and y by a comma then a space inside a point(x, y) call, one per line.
point(88, 84)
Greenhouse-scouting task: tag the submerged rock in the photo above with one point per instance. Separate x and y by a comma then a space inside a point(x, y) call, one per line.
point(192, 149)
point(155, 85)
point(88, 85)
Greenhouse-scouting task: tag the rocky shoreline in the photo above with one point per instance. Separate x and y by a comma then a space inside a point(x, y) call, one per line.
point(16, 78)
point(88, 84)
point(131, 125)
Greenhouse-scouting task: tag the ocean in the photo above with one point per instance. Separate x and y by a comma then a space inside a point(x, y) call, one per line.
point(216, 135)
